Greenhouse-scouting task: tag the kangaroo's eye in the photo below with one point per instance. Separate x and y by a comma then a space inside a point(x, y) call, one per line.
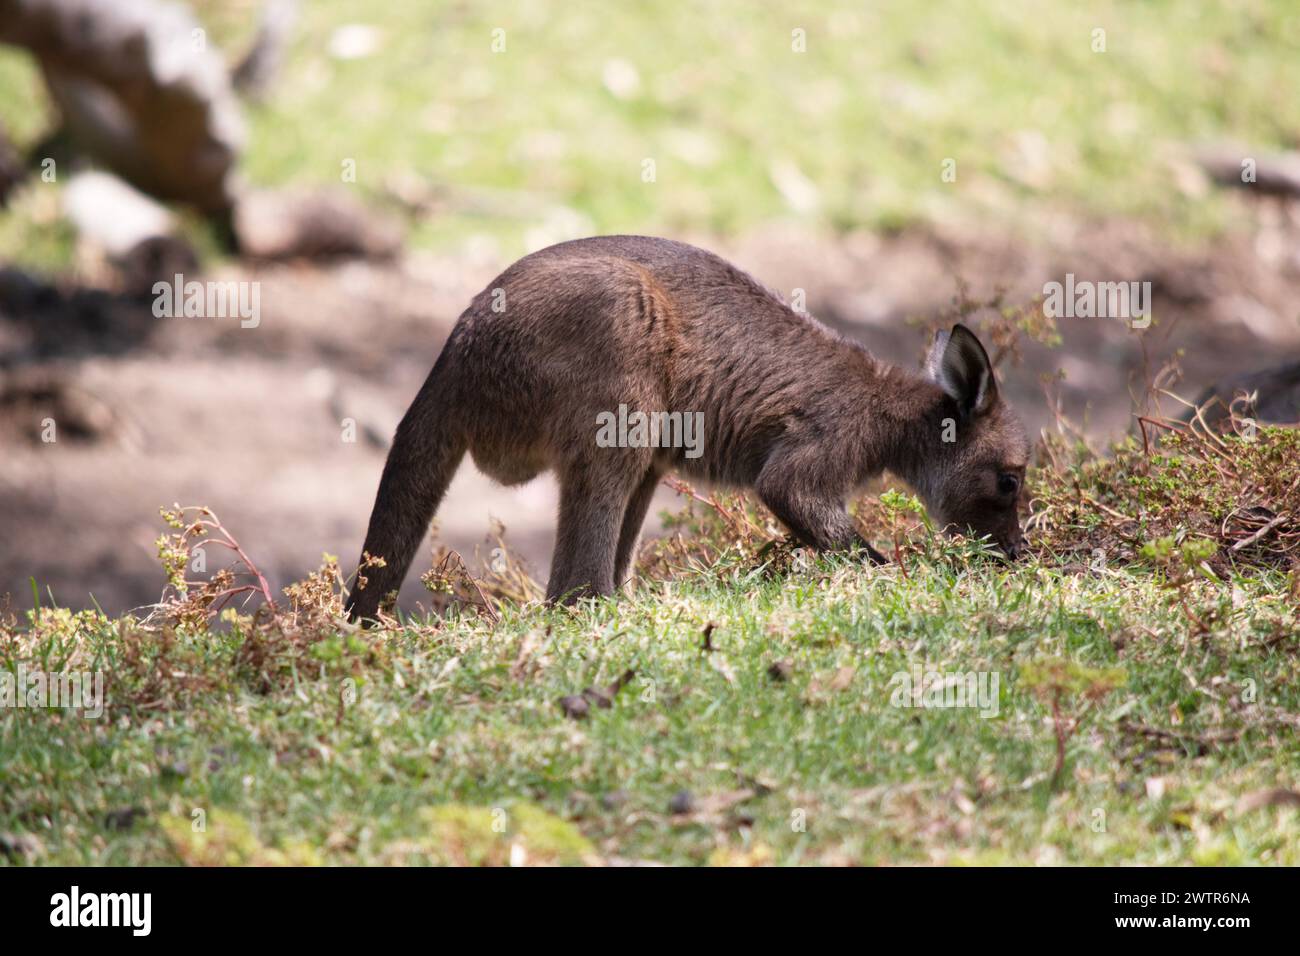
point(1008, 484)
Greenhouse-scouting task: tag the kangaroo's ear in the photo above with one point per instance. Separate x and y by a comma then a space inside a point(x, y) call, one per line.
point(958, 364)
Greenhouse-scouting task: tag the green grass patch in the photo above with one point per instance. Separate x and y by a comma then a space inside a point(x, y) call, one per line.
point(548, 136)
point(763, 723)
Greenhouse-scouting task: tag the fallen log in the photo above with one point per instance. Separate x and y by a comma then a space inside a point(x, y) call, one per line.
point(1275, 175)
point(140, 90)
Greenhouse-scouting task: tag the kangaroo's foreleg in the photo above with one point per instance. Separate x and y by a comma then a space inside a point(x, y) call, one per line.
point(816, 516)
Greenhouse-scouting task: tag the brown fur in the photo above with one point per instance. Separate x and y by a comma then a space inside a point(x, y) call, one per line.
point(792, 410)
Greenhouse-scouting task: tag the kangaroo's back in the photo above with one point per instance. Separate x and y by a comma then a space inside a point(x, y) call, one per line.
point(730, 348)
point(700, 284)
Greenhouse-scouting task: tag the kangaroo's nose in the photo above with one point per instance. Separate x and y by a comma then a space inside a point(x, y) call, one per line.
point(1015, 549)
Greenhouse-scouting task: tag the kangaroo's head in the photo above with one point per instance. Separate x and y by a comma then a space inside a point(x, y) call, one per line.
point(972, 483)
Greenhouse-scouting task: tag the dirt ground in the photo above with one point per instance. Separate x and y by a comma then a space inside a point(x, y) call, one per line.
point(247, 421)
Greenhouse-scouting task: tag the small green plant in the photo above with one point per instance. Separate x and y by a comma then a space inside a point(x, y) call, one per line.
point(1061, 683)
point(196, 600)
point(896, 507)
point(1182, 561)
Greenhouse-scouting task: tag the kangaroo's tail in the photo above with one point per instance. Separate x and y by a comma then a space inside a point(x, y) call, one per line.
point(426, 452)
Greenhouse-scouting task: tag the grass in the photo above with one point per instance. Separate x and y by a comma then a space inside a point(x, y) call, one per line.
point(738, 710)
point(548, 137)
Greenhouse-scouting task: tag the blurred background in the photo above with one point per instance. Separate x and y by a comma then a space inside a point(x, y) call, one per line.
point(367, 167)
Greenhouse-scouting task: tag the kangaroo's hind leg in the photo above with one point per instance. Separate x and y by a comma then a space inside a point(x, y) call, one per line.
point(593, 505)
